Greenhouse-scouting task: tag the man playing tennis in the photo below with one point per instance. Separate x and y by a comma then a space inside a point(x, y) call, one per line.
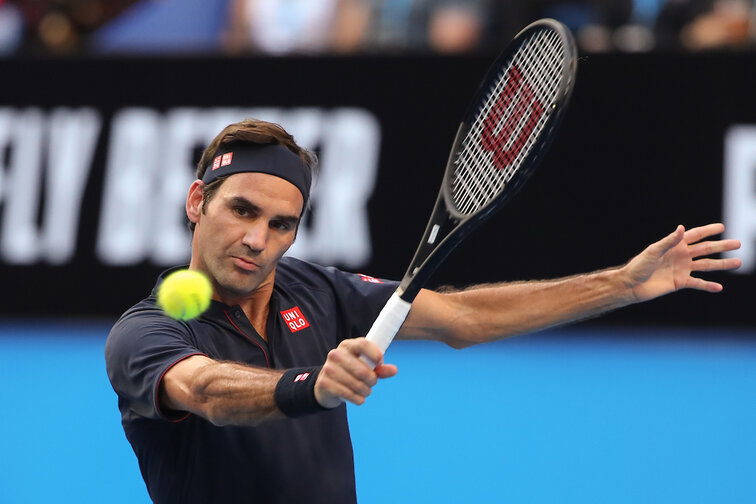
point(245, 403)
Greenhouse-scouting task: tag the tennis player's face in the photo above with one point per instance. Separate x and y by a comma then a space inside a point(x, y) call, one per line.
point(247, 226)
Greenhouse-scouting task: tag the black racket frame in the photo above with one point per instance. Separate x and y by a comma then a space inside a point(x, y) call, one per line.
point(446, 222)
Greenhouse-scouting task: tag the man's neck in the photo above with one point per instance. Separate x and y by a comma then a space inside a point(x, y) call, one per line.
point(256, 306)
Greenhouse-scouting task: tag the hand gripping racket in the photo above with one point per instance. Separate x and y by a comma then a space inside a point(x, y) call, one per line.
point(504, 135)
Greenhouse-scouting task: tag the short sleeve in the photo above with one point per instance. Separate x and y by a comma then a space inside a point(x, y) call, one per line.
point(141, 347)
point(360, 298)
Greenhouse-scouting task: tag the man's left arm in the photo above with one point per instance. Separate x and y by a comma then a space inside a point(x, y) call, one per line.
point(490, 312)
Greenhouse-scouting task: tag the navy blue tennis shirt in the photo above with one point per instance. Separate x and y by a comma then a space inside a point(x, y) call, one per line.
point(185, 458)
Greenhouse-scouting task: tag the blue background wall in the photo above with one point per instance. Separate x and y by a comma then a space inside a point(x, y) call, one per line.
point(577, 415)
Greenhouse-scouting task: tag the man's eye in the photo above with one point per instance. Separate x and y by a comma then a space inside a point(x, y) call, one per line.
point(241, 211)
point(281, 226)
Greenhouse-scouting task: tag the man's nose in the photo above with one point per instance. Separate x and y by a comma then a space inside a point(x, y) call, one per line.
point(256, 235)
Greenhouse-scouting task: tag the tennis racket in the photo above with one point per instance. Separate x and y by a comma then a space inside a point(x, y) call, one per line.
point(504, 135)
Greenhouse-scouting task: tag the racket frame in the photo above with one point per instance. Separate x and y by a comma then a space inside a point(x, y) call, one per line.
point(446, 222)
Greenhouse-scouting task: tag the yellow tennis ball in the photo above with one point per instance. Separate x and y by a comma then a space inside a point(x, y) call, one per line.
point(185, 294)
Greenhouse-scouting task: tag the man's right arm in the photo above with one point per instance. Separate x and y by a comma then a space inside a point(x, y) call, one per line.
point(229, 393)
point(225, 393)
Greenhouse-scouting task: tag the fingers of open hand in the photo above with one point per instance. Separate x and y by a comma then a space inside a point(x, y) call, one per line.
point(699, 233)
point(715, 264)
point(712, 247)
point(659, 248)
point(703, 285)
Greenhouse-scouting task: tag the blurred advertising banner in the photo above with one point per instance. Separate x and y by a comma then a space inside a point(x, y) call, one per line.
point(96, 156)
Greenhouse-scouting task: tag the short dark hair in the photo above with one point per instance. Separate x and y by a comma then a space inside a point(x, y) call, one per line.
point(248, 131)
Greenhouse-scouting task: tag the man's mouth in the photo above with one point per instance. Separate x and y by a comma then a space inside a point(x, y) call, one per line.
point(245, 263)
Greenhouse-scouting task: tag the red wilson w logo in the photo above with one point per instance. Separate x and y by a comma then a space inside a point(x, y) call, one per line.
point(495, 142)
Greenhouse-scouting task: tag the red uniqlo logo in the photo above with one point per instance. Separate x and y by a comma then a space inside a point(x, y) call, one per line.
point(216, 162)
point(301, 377)
point(295, 320)
point(227, 158)
point(369, 279)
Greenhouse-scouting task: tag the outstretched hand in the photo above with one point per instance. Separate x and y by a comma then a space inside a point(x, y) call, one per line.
point(666, 266)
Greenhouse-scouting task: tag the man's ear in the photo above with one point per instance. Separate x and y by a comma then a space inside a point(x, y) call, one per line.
point(194, 201)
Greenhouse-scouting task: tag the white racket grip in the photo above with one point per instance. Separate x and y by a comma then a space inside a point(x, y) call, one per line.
point(387, 324)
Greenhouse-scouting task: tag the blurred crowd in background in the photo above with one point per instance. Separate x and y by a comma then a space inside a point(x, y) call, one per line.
point(282, 27)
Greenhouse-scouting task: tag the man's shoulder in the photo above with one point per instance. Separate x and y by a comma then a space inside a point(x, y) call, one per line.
point(295, 264)
point(297, 276)
point(146, 317)
point(148, 306)
point(145, 308)
point(291, 270)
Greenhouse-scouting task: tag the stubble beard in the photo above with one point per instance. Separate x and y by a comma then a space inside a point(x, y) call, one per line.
point(230, 281)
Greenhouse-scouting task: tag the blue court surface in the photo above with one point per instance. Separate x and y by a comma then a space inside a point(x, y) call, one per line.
point(567, 416)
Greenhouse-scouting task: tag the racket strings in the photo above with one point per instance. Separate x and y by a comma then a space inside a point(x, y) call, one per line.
point(513, 145)
point(483, 189)
point(486, 187)
point(511, 117)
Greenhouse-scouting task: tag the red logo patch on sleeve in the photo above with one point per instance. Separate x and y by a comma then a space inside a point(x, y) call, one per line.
point(216, 162)
point(227, 157)
point(294, 319)
point(369, 279)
